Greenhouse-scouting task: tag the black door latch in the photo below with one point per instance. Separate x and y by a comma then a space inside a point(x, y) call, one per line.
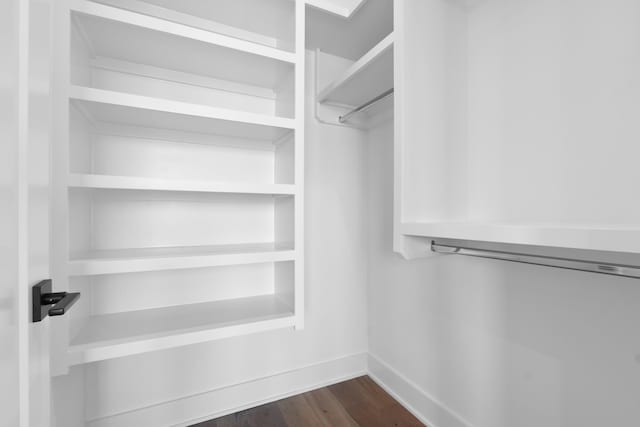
point(43, 297)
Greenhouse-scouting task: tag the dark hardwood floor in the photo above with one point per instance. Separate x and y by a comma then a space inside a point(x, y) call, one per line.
point(356, 403)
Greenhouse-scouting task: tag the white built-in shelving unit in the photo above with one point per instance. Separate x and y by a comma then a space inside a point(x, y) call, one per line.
point(178, 173)
point(343, 89)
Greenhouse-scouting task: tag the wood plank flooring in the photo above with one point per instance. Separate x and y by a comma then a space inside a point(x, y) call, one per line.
point(356, 403)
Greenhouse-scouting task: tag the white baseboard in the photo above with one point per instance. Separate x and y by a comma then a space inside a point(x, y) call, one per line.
point(190, 410)
point(216, 403)
point(417, 401)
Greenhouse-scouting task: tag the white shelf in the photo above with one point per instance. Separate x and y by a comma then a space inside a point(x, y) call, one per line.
point(367, 78)
point(337, 7)
point(122, 334)
point(182, 13)
point(158, 184)
point(174, 258)
point(136, 110)
point(575, 236)
point(111, 30)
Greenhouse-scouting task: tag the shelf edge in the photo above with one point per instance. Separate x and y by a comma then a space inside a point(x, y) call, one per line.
point(94, 181)
point(102, 96)
point(94, 267)
point(584, 238)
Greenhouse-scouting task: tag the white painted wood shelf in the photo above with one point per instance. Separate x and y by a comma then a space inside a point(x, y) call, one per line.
point(119, 261)
point(196, 19)
point(93, 181)
point(111, 30)
point(122, 334)
point(108, 106)
point(367, 78)
point(571, 235)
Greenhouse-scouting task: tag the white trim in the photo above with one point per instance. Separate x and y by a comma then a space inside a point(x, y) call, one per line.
point(420, 403)
point(298, 163)
point(232, 398)
point(23, 297)
point(595, 237)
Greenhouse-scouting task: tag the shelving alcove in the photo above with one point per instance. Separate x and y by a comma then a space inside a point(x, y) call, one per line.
point(178, 173)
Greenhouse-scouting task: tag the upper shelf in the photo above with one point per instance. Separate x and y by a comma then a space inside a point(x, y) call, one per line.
point(367, 78)
point(573, 236)
point(136, 110)
point(129, 36)
point(272, 22)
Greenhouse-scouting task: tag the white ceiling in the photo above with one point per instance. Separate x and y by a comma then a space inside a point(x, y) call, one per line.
point(350, 38)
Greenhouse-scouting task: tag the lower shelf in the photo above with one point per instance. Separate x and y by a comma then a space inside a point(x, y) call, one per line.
point(123, 334)
point(574, 236)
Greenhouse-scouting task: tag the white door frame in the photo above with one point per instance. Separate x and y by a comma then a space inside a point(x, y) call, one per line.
point(25, 108)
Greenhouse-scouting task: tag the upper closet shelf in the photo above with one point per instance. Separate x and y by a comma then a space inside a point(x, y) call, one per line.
point(122, 108)
point(574, 236)
point(129, 36)
point(367, 78)
point(159, 184)
point(264, 26)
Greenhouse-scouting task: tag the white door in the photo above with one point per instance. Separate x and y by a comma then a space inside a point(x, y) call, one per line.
point(24, 210)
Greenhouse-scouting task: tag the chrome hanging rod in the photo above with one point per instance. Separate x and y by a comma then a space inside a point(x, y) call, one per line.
point(366, 105)
point(548, 261)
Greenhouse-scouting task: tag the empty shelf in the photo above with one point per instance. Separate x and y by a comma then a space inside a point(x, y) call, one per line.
point(367, 78)
point(174, 258)
point(157, 184)
point(122, 334)
point(176, 13)
point(136, 37)
point(567, 235)
point(135, 110)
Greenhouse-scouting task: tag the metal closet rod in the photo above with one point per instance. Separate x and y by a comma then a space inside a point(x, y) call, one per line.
point(548, 261)
point(366, 105)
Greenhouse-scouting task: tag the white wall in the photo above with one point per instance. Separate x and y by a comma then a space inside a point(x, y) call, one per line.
point(499, 344)
point(184, 384)
point(553, 101)
point(471, 342)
